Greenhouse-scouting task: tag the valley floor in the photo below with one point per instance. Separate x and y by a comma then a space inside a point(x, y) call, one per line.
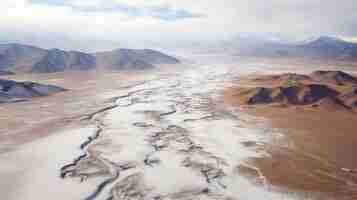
point(160, 135)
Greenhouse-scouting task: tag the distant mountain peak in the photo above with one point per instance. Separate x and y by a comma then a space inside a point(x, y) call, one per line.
point(321, 39)
point(330, 39)
point(17, 46)
point(27, 58)
point(327, 40)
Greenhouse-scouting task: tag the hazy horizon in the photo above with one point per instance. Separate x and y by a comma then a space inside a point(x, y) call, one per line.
point(97, 25)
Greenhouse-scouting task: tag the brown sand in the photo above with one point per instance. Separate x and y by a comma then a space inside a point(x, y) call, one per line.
point(317, 153)
point(25, 121)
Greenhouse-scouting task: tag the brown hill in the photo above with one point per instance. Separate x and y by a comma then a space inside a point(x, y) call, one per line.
point(337, 78)
point(284, 79)
point(296, 95)
point(350, 98)
point(325, 89)
point(334, 77)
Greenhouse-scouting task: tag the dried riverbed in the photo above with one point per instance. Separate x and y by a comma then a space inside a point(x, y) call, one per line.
point(168, 137)
point(172, 138)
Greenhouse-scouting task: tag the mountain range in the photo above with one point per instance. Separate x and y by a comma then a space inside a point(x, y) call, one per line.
point(322, 48)
point(26, 58)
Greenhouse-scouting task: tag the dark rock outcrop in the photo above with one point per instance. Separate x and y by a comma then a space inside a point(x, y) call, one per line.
point(296, 95)
point(12, 91)
point(6, 73)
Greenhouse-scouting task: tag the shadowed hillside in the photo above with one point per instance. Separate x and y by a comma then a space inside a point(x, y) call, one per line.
point(57, 60)
point(19, 57)
point(133, 59)
point(12, 91)
point(327, 89)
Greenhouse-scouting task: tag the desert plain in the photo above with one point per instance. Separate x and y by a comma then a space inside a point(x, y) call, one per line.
point(179, 133)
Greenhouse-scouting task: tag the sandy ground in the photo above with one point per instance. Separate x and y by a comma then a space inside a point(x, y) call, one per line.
point(25, 121)
point(37, 137)
point(162, 136)
point(157, 135)
point(319, 148)
point(316, 152)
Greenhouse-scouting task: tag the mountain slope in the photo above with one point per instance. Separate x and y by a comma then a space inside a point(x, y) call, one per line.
point(57, 60)
point(24, 58)
point(19, 57)
point(133, 59)
point(325, 48)
point(330, 48)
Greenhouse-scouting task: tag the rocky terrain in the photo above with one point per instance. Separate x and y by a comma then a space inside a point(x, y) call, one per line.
point(12, 91)
point(319, 89)
point(24, 58)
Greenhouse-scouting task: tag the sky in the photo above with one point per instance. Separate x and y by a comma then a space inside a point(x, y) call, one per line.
point(106, 24)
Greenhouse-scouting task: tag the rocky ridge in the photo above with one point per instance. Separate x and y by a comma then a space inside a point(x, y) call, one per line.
point(335, 89)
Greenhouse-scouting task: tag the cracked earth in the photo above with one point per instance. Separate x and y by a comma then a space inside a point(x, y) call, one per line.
point(171, 138)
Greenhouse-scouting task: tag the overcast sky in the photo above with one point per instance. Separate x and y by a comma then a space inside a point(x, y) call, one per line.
point(106, 24)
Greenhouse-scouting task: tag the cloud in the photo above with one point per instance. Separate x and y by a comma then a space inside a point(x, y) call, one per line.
point(162, 12)
point(146, 23)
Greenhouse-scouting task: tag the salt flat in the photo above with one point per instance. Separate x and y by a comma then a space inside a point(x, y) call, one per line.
point(171, 138)
point(165, 135)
